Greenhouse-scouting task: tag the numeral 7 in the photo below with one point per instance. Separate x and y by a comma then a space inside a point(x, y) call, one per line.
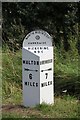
point(46, 75)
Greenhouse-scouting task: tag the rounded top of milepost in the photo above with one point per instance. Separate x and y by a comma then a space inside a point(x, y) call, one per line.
point(37, 38)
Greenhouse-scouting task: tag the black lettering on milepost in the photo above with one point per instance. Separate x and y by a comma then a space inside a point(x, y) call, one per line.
point(25, 83)
point(30, 62)
point(23, 61)
point(46, 84)
point(46, 75)
point(31, 84)
point(27, 62)
point(37, 62)
point(34, 62)
point(30, 76)
point(36, 84)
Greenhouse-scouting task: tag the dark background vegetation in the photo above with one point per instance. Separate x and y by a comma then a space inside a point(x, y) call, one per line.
point(62, 22)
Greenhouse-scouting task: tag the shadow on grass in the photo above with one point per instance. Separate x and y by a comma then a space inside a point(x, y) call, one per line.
point(67, 85)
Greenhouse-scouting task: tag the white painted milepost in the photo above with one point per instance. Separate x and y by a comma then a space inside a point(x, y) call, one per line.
point(37, 69)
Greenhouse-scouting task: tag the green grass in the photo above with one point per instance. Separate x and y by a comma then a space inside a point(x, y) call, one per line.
point(66, 107)
point(0, 79)
point(67, 72)
point(66, 78)
point(11, 72)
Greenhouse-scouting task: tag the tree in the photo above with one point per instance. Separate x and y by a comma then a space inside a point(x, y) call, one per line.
point(59, 19)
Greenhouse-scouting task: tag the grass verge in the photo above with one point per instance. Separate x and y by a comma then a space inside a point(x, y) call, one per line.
point(66, 107)
point(66, 78)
